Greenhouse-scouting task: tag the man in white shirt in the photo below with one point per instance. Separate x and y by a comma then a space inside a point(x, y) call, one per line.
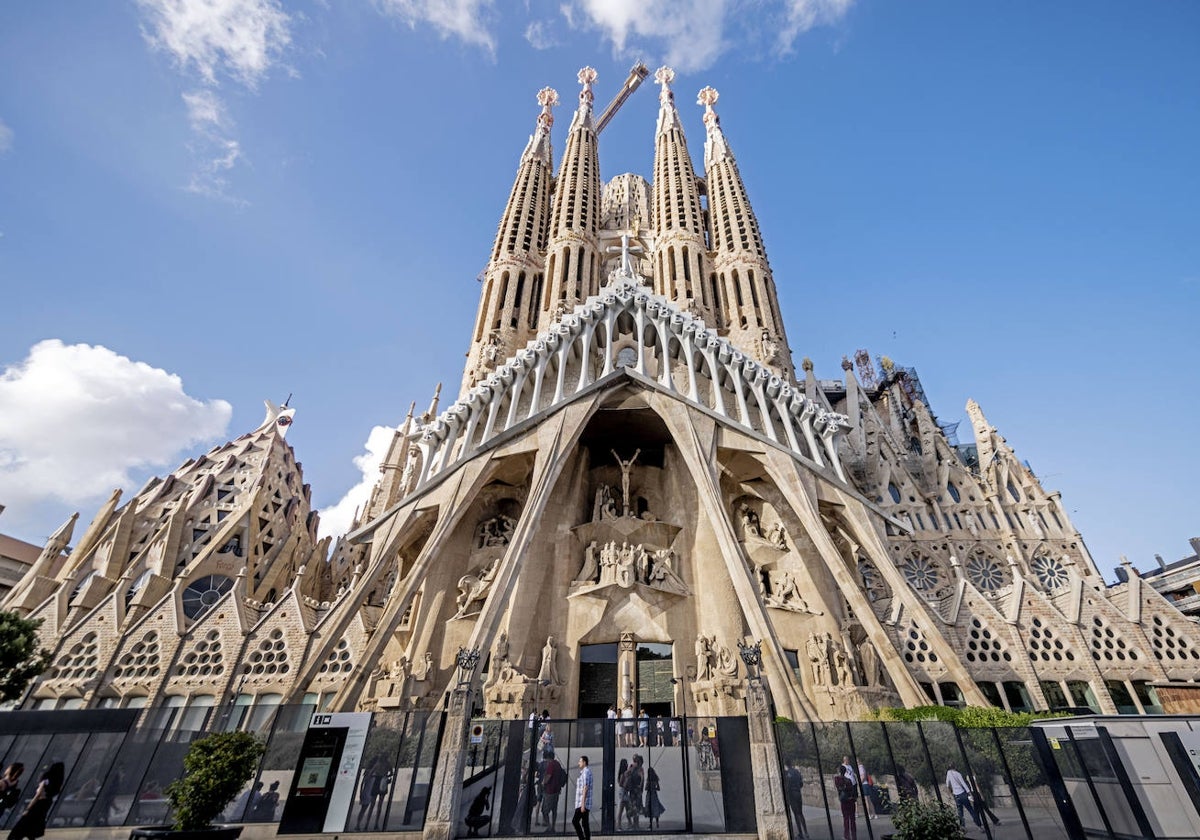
point(583, 801)
point(962, 795)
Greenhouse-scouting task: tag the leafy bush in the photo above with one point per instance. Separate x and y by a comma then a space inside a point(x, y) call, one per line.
point(20, 659)
point(216, 768)
point(915, 820)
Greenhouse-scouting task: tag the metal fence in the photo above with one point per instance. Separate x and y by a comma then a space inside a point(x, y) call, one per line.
point(119, 762)
point(693, 776)
point(1011, 791)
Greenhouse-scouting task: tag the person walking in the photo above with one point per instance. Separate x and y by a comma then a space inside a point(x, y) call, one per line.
point(962, 796)
point(32, 822)
point(10, 791)
point(793, 785)
point(847, 793)
point(553, 778)
point(583, 801)
point(634, 784)
point(654, 806)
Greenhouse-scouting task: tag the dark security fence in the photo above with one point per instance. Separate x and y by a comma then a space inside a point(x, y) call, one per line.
point(695, 776)
point(1012, 792)
point(119, 762)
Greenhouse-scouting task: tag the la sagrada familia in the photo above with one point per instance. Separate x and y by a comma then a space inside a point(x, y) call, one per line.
point(635, 487)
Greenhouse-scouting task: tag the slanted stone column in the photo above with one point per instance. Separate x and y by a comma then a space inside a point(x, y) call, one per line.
point(445, 799)
point(770, 805)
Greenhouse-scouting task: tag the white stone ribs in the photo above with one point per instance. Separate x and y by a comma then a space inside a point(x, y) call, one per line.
point(628, 326)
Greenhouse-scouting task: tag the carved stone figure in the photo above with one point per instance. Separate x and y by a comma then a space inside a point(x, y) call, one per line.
point(663, 574)
point(424, 668)
point(784, 592)
point(591, 567)
point(704, 658)
point(778, 535)
point(841, 662)
point(608, 564)
point(817, 648)
point(473, 589)
point(605, 506)
point(726, 661)
point(750, 526)
point(548, 673)
point(626, 469)
point(496, 531)
point(500, 650)
point(869, 660)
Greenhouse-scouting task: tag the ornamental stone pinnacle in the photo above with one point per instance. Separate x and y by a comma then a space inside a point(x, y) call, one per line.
point(547, 97)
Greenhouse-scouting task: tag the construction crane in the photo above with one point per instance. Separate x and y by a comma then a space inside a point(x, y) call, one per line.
point(636, 75)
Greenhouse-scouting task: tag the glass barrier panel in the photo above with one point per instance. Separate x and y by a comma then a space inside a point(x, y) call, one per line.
point(1037, 809)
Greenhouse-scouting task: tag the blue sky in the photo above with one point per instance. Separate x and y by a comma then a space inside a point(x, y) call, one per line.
point(204, 204)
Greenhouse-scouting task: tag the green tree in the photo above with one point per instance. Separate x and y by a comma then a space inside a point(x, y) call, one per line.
point(216, 768)
point(20, 659)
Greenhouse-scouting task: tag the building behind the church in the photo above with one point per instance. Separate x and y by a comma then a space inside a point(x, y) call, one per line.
point(639, 480)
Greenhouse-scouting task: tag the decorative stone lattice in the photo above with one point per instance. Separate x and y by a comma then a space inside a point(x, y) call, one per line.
point(1108, 645)
point(142, 660)
point(1170, 645)
point(339, 660)
point(270, 657)
point(983, 646)
point(80, 661)
point(1045, 646)
point(916, 649)
point(1050, 571)
point(985, 572)
point(205, 659)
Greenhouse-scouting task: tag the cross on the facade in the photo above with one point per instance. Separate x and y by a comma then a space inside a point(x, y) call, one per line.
point(626, 249)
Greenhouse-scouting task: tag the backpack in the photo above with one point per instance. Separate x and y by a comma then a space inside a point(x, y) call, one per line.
point(847, 792)
point(560, 776)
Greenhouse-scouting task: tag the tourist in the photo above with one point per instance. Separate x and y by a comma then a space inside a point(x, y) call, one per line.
point(847, 793)
point(981, 807)
point(634, 784)
point(583, 801)
point(622, 797)
point(793, 785)
point(654, 806)
point(264, 811)
point(554, 776)
point(32, 822)
point(478, 814)
point(10, 791)
point(962, 796)
point(643, 729)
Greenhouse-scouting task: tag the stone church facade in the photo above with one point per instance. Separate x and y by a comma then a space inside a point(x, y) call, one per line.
point(636, 496)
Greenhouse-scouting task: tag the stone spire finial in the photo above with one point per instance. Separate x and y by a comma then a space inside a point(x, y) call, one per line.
point(664, 76)
point(547, 97)
point(583, 114)
point(715, 147)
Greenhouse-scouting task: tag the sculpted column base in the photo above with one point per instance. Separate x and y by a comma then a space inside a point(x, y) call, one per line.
point(445, 801)
point(770, 806)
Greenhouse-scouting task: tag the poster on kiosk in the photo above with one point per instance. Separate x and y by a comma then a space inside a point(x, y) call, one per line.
point(322, 789)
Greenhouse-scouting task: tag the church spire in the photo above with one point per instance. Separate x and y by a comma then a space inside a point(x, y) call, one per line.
point(749, 306)
point(681, 270)
point(513, 279)
point(573, 261)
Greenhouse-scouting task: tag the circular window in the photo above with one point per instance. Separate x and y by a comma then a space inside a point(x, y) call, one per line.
point(921, 573)
point(203, 592)
point(985, 573)
point(1050, 571)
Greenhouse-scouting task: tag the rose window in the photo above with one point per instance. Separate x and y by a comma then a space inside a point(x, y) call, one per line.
point(985, 573)
point(203, 592)
point(1050, 571)
point(921, 573)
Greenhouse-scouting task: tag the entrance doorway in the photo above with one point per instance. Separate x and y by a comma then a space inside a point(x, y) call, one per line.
point(597, 679)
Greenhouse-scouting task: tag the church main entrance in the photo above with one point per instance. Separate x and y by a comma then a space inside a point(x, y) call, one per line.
point(626, 673)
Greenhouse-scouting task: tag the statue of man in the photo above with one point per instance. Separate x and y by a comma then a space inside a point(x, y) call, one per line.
point(703, 658)
point(549, 670)
point(626, 469)
point(590, 565)
point(870, 662)
point(817, 649)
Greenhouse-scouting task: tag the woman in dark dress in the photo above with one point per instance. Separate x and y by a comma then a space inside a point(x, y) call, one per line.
point(32, 823)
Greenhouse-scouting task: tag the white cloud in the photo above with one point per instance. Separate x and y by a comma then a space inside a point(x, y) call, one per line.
point(803, 15)
point(463, 19)
point(240, 38)
point(692, 34)
point(215, 149)
point(6, 137)
point(337, 518)
point(78, 420)
point(538, 35)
